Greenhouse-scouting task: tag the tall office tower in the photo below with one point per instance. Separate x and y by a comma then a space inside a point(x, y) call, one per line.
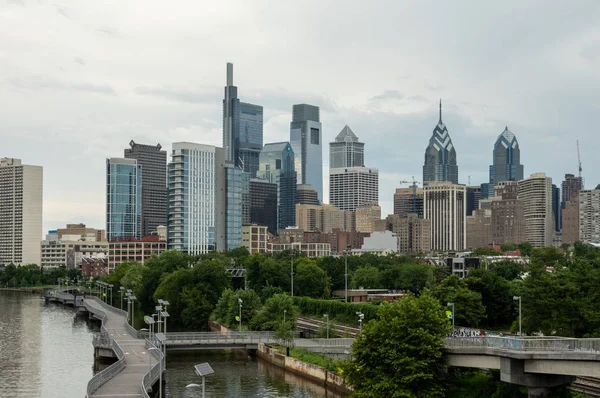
point(408, 200)
point(507, 162)
point(556, 208)
point(479, 228)
point(324, 218)
point(123, 199)
point(352, 187)
point(154, 184)
point(191, 222)
point(445, 205)
point(242, 128)
point(536, 194)
point(21, 198)
point(277, 165)
point(508, 222)
point(346, 151)
point(414, 233)
point(263, 204)
point(589, 215)
point(306, 195)
point(306, 140)
point(231, 204)
point(366, 217)
point(570, 220)
point(473, 197)
point(440, 156)
point(571, 186)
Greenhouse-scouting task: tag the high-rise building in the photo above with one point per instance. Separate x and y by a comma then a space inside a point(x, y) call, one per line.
point(445, 205)
point(589, 215)
point(192, 220)
point(81, 230)
point(232, 203)
point(153, 161)
point(277, 166)
point(366, 217)
point(479, 229)
point(556, 208)
point(506, 163)
point(346, 151)
point(508, 222)
point(536, 194)
point(21, 197)
point(571, 187)
point(306, 195)
point(255, 238)
point(440, 156)
point(352, 187)
point(306, 140)
point(242, 129)
point(408, 200)
point(473, 198)
point(263, 204)
point(123, 199)
point(324, 218)
point(414, 233)
point(570, 220)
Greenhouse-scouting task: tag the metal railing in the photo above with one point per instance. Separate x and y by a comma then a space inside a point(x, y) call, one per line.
point(525, 344)
point(221, 338)
point(150, 378)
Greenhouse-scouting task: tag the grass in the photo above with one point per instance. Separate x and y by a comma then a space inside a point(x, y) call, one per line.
point(311, 357)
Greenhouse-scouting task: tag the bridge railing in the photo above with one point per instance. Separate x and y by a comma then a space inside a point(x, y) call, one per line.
point(150, 378)
point(221, 337)
point(525, 344)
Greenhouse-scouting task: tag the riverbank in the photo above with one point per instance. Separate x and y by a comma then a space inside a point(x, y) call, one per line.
point(318, 374)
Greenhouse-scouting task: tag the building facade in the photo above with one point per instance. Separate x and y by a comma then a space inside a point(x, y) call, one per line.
point(21, 197)
point(408, 200)
point(346, 151)
point(311, 250)
point(589, 215)
point(440, 156)
point(556, 208)
point(352, 187)
point(191, 223)
point(263, 205)
point(277, 166)
point(473, 198)
point(138, 250)
point(445, 207)
point(506, 161)
point(571, 186)
point(123, 199)
point(508, 217)
point(570, 220)
point(255, 238)
point(81, 230)
point(414, 233)
point(324, 218)
point(536, 194)
point(232, 203)
point(153, 161)
point(479, 229)
point(306, 140)
point(366, 217)
point(306, 195)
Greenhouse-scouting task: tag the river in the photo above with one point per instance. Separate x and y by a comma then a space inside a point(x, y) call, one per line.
point(46, 351)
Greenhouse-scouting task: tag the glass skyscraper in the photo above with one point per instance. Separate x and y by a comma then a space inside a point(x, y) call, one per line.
point(507, 162)
point(123, 199)
point(191, 224)
point(440, 156)
point(242, 128)
point(346, 151)
point(306, 141)
point(277, 166)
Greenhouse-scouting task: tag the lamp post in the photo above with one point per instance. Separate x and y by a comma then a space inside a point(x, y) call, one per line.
point(158, 309)
point(361, 316)
point(346, 275)
point(110, 286)
point(160, 368)
point(327, 318)
point(202, 370)
point(284, 312)
point(520, 319)
point(165, 315)
point(132, 298)
point(122, 289)
point(292, 269)
point(240, 303)
point(452, 305)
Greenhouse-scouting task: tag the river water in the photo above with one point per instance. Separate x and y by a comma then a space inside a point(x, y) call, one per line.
point(46, 351)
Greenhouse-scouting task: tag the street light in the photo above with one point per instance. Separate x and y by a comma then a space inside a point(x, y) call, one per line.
point(132, 298)
point(240, 303)
point(110, 286)
point(122, 289)
point(284, 312)
point(292, 268)
point(361, 316)
point(159, 368)
point(150, 322)
point(327, 317)
point(520, 318)
point(452, 305)
point(202, 370)
point(346, 274)
point(158, 309)
point(165, 315)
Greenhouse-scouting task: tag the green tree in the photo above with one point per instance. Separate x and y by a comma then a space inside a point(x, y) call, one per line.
point(367, 277)
point(509, 270)
point(309, 279)
point(508, 247)
point(271, 315)
point(400, 353)
point(526, 248)
point(547, 256)
point(468, 307)
point(416, 277)
point(485, 251)
point(496, 296)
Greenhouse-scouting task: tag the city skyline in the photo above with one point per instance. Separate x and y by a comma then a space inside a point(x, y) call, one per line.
point(75, 107)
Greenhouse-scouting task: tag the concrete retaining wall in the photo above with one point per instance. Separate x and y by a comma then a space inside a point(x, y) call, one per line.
point(316, 373)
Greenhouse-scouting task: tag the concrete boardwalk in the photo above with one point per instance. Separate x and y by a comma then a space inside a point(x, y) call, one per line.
point(127, 383)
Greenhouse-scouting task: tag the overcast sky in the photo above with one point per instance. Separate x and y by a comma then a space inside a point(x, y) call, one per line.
point(80, 79)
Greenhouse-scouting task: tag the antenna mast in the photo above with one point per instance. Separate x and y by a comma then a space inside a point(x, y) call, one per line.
point(579, 159)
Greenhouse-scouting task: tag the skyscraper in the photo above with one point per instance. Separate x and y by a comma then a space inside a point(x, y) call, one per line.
point(153, 161)
point(507, 161)
point(21, 193)
point(445, 205)
point(263, 204)
point(570, 187)
point(231, 203)
point(473, 198)
point(589, 215)
point(192, 194)
point(306, 140)
point(242, 128)
point(408, 200)
point(276, 165)
point(556, 208)
point(440, 156)
point(346, 151)
point(123, 199)
point(508, 222)
point(536, 194)
point(352, 187)
point(306, 195)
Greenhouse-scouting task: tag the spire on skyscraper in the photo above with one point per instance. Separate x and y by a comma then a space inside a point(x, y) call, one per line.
point(440, 110)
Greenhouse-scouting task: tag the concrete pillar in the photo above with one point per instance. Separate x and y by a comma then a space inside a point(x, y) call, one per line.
point(538, 392)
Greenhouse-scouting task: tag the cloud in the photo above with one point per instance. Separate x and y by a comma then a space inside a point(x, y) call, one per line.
point(79, 60)
point(388, 94)
point(108, 31)
point(177, 94)
point(41, 83)
point(19, 2)
point(63, 12)
point(591, 52)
